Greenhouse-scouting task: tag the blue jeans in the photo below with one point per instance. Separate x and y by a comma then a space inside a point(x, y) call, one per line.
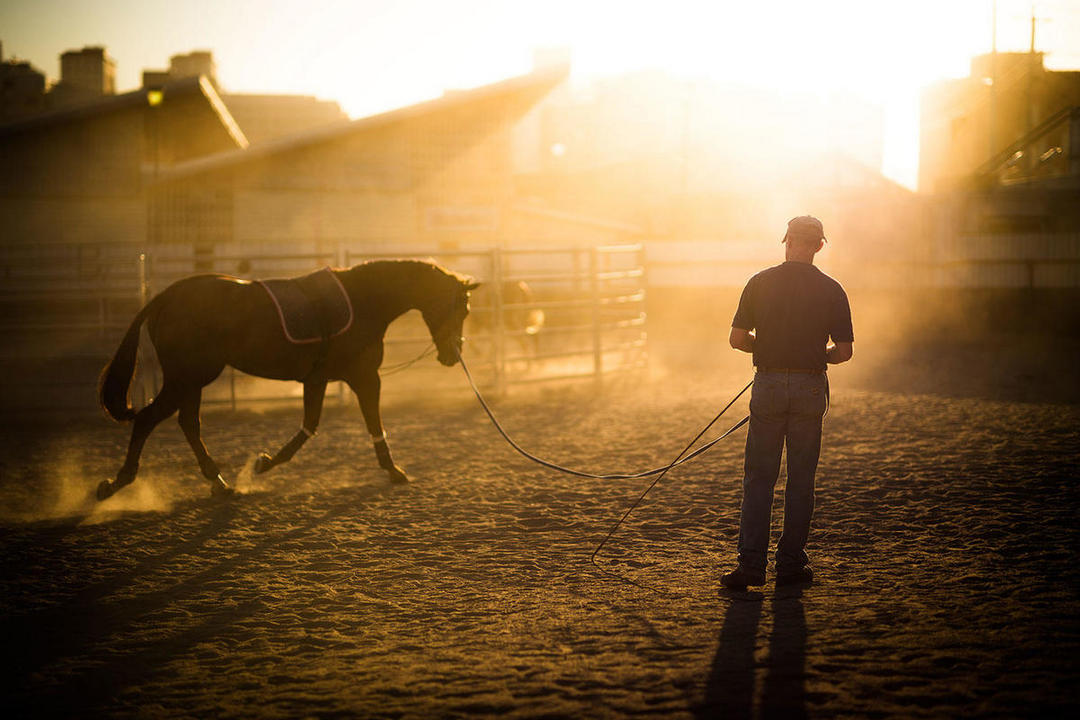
point(783, 407)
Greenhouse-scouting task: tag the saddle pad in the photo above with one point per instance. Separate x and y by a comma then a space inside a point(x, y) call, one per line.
point(311, 307)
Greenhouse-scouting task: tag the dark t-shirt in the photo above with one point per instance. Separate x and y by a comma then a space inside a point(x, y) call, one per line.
point(795, 308)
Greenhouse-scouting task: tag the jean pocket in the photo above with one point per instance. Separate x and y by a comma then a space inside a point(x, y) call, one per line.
point(769, 396)
point(810, 396)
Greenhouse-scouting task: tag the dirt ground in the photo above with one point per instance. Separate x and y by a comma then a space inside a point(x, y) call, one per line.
point(945, 542)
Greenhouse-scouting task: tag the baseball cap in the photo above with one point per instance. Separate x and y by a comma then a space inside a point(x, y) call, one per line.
point(805, 227)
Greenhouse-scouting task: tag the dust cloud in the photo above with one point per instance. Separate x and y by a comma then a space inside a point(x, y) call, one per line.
point(58, 488)
point(1005, 344)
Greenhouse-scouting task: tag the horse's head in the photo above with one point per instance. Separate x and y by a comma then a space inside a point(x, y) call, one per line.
point(446, 316)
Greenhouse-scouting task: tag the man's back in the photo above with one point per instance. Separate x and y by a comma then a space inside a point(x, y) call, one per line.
point(786, 317)
point(794, 309)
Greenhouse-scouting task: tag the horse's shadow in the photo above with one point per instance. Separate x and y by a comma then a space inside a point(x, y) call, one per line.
point(89, 620)
point(730, 689)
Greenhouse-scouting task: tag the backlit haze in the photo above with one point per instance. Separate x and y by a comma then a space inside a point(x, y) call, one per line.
point(375, 55)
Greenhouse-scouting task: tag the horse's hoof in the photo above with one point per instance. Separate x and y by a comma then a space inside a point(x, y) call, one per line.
point(262, 463)
point(105, 489)
point(398, 476)
point(220, 489)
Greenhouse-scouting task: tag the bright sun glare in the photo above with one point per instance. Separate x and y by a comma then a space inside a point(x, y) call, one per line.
point(881, 53)
point(380, 54)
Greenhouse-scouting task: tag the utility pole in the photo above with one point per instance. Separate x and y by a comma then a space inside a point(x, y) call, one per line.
point(1031, 74)
point(1030, 115)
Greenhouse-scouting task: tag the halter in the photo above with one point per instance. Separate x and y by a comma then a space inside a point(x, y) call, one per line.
point(441, 331)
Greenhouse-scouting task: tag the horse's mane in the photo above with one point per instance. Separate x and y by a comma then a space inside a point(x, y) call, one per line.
point(405, 263)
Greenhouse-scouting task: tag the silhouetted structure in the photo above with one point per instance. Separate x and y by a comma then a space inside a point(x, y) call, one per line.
point(265, 117)
point(193, 64)
point(966, 123)
point(79, 174)
point(22, 89)
point(182, 66)
point(1000, 150)
point(261, 116)
point(687, 158)
point(429, 175)
point(85, 76)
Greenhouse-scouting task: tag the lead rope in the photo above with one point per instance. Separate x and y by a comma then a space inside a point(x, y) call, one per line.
point(391, 369)
point(674, 463)
point(659, 472)
point(680, 460)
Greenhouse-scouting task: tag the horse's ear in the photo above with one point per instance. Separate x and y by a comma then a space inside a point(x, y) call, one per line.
point(471, 286)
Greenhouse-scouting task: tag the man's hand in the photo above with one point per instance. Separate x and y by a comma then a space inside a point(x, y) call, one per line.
point(838, 353)
point(742, 339)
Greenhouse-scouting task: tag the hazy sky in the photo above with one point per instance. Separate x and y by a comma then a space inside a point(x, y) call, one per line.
point(373, 55)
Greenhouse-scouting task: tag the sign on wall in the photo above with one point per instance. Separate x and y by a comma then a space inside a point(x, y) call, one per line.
point(462, 218)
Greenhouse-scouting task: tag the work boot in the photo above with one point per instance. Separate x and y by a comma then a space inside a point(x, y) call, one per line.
point(794, 575)
point(742, 576)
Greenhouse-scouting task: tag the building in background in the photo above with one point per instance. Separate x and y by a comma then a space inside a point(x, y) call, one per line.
point(79, 174)
point(85, 76)
point(193, 64)
point(261, 116)
point(708, 169)
point(966, 123)
point(265, 117)
point(433, 175)
point(181, 66)
point(22, 89)
point(999, 163)
point(688, 159)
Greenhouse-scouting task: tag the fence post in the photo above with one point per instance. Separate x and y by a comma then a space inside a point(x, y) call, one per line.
point(498, 326)
point(149, 375)
point(643, 263)
point(143, 289)
point(597, 337)
point(342, 262)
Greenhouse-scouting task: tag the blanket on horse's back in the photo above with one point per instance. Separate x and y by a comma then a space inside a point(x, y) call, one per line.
point(312, 307)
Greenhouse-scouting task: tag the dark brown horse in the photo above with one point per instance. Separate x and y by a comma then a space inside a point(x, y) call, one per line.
point(201, 324)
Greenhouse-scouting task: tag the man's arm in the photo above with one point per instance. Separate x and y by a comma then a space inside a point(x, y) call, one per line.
point(838, 353)
point(742, 339)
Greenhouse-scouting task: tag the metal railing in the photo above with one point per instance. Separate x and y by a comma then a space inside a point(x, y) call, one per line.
point(65, 301)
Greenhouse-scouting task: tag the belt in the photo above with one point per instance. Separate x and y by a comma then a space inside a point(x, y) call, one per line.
point(800, 371)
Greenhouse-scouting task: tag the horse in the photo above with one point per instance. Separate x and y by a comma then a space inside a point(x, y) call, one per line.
point(202, 323)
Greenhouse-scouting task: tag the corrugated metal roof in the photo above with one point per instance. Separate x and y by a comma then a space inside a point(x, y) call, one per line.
point(546, 79)
point(136, 98)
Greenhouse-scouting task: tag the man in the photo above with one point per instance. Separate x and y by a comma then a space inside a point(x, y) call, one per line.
point(786, 317)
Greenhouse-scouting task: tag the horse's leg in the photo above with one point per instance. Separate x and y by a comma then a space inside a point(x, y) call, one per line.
point(367, 389)
point(190, 424)
point(314, 392)
point(146, 420)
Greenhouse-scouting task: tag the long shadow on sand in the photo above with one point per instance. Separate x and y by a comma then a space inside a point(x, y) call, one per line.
point(88, 622)
point(730, 689)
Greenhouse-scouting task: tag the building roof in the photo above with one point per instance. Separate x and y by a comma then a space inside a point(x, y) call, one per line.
point(194, 86)
point(539, 82)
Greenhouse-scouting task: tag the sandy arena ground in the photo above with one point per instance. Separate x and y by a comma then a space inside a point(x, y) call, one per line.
point(945, 543)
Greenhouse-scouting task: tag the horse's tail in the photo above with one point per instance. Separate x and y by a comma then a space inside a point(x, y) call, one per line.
point(116, 377)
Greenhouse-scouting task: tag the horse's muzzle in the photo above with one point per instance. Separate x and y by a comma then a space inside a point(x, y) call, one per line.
point(450, 356)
